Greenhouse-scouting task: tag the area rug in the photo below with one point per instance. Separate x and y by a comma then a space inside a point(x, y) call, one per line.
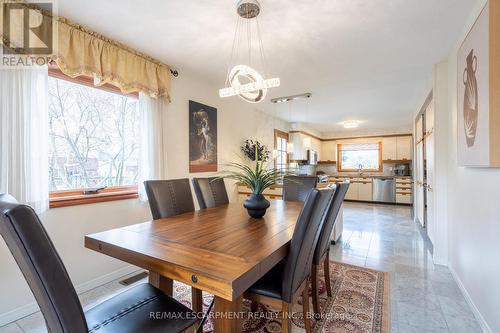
point(360, 303)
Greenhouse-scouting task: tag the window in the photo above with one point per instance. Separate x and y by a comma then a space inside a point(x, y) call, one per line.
point(280, 144)
point(360, 157)
point(93, 139)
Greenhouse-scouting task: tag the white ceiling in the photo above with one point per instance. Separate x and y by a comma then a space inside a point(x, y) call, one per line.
point(369, 60)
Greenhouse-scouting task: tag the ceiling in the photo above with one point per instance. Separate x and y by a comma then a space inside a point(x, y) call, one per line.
point(369, 60)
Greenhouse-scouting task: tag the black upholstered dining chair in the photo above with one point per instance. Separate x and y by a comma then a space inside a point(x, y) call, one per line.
point(169, 197)
point(296, 188)
point(36, 256)
point(210, 192)
point(281, 286)
point(322, 251)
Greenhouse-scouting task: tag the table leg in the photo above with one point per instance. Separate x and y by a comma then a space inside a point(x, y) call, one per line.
point(227, 315)
point(197, 302)
point(164, 284)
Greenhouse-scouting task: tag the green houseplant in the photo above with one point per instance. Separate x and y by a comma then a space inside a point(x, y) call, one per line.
point(256, 174)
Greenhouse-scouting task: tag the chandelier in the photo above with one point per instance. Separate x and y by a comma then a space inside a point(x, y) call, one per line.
point(243, 80)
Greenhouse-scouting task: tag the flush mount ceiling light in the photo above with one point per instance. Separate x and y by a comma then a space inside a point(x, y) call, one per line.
point(350, 124)
point(244, 80)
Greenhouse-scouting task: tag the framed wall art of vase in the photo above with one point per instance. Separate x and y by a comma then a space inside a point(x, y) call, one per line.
point(478, 118)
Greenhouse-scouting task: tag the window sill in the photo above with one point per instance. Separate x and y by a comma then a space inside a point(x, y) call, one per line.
point(75, 197)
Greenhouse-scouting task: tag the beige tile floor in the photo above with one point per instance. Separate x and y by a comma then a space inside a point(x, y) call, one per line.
point(424, 297)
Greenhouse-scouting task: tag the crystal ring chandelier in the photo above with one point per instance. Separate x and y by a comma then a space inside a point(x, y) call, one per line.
point(243, 80)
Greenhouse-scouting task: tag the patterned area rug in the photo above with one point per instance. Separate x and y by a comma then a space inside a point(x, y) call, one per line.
point(360, 303)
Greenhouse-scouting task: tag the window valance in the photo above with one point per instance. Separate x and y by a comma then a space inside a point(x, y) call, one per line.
point(79, 51)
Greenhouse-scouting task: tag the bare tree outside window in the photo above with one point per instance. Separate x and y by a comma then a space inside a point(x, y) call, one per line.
point(93, 137)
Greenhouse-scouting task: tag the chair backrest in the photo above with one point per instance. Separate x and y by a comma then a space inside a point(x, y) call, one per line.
point(333, 211)
point(210, 192)
point(41, 266)
point(169, 197)
point(296, 188)
point(305, 237)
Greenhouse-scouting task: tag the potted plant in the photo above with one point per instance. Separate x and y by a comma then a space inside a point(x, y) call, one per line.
point(256, 174)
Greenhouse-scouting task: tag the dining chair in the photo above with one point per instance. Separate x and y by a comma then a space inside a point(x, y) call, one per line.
point(210, 192)
point(169, 197)
point(322, 251)
point(281, 286)
point(43, 269)
point(296, 188)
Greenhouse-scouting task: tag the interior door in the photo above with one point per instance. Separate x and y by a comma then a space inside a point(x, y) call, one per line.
point(429, 168)
point(419, 172)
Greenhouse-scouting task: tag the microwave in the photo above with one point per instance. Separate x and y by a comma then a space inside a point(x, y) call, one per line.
point(312, 157)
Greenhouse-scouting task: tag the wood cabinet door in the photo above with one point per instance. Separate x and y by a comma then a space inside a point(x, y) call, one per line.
point(352, 192)
point(403, 147)
point(299, 152)
point(389, 148)
point(365, 191)
point(403, 198)
point(328, 151)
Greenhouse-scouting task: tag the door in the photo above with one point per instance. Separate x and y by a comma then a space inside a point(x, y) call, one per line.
point(365, 191)
point(352, 192)
point(429, 171)
point(419, 171)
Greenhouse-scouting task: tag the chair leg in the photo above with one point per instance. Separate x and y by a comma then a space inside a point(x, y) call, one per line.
point(314, 282)
point(286, 323)
point(327, 274)
point(305, 308)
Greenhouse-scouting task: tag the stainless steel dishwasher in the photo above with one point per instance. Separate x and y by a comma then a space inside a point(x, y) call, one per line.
point(384, 189)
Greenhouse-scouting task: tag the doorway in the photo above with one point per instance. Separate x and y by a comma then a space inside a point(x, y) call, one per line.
point(424, 167)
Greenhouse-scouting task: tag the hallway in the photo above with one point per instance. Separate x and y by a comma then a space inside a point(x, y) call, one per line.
point(424, 296)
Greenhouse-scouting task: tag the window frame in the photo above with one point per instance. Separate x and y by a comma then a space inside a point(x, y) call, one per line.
point(339, 160)
point(280, 135)
point(73, 197)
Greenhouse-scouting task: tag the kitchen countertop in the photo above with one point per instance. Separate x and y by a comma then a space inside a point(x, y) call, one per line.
point(366, 176)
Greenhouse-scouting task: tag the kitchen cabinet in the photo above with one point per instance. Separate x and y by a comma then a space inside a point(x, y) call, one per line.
point(299, 152)
point(389, 148)
point(352, 192)
point(403, 147)
point(403, 198)
point(365, 191)
point(329, 151)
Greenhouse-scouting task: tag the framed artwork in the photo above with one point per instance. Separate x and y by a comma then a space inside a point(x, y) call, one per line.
point(478, 118)
point(202, 137)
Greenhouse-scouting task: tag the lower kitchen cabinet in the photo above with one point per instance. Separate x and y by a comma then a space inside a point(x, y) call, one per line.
point(365, 191)
point(352, 192)
point(404, 198)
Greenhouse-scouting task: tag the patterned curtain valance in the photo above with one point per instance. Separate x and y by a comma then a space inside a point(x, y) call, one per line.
point(79, 51)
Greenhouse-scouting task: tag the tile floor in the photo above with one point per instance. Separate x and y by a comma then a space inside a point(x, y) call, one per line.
point(424, 297)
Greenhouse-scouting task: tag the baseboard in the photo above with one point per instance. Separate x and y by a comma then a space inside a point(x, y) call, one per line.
point(479, 317)
point(26, 310)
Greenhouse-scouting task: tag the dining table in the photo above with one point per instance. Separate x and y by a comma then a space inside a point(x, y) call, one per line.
point(221, 251)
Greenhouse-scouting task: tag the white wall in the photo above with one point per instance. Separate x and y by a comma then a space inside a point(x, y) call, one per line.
point(67, 226)
point(473, 212)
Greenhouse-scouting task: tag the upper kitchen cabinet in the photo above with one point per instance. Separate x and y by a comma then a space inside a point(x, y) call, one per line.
point(299, 151)
point(329, 151)
point(389, 148)
point(301, 144)
point(403, 147)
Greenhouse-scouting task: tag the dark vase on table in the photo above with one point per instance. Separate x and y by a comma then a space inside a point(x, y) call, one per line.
point(256, 205)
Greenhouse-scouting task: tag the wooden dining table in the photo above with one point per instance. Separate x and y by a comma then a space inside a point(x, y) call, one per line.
point(220, 250)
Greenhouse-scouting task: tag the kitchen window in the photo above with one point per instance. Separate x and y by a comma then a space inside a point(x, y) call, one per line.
point(280, 144)
point(359, 157)
point(93, 141)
